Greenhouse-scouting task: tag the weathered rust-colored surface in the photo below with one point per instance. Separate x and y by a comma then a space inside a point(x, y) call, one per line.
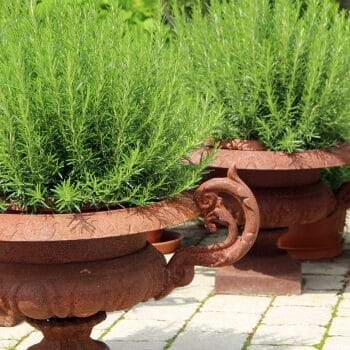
point(169, 242)
point(154, 236)
point(272, 178)
point(266, 243)
point(289, 192)
point(234, 247)
point(343, 196)
point(281, 207)
point(280, 178)
point(265, 270)
point(81, 289)
point(272, 275)
point(51, 252)
point(322, 239)
point(58, 288)
point(68, 334)
point(8, 318)
point(100, 224)
point(271, 160)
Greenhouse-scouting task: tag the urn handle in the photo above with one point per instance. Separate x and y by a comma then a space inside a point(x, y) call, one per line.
point(180, 269)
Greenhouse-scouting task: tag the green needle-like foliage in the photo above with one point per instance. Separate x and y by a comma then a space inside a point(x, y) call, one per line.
point(92, 111)
point(279, 68)
point(335, 177)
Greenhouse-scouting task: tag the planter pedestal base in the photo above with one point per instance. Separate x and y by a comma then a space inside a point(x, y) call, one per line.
point(265, 270)
point(272, 275)
point(70, 333)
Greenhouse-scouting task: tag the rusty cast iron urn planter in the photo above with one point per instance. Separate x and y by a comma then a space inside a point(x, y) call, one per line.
point(62, 272)
point(289, 192)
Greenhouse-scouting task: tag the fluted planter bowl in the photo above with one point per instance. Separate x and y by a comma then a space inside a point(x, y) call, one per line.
point(64, 271)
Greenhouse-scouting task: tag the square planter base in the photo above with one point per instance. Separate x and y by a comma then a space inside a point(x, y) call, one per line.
point(274, 275)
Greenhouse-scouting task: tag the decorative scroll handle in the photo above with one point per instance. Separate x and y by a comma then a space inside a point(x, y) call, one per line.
point(181, 267)
point(343, 196)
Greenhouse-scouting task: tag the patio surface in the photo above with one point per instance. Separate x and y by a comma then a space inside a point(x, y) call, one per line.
point(193, 318)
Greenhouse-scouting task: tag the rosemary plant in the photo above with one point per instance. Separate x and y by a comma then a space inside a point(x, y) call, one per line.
point(335, 177)
point(92, 112)
point(279, 68)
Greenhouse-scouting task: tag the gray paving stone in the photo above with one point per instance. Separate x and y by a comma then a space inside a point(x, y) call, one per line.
point(119, 345)
point(110, 319)
point(223, 322)
point(102, 327)
point(307, 299)
point(237, 304)
point(16, 332)
point(97, 333)
point(337, 343)
point(143, 331)
point(288, 335)
point(298, 315)
point(343, 312)
point(330, 267)
point(344, 308)
point(279, 347)
point(323, 283)
point(162, 312)
point(190, 294)
point(6, 344)
point(204, 278)
point(189, 340)
point(207, 271)
point(340, 326)
point(34, 338)
point(201, 286)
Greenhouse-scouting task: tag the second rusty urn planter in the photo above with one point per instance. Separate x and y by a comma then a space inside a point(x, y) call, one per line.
point(62, 272)
point(289, 192)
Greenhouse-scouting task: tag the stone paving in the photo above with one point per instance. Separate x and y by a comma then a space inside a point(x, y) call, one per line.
point(193, 318)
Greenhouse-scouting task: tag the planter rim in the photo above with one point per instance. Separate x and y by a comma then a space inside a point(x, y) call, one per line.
point(100, 224)
point(278, 160)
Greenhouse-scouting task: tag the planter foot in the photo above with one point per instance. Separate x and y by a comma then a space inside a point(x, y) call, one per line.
point(68, 333)
point(275, 275)
point(265, 270)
